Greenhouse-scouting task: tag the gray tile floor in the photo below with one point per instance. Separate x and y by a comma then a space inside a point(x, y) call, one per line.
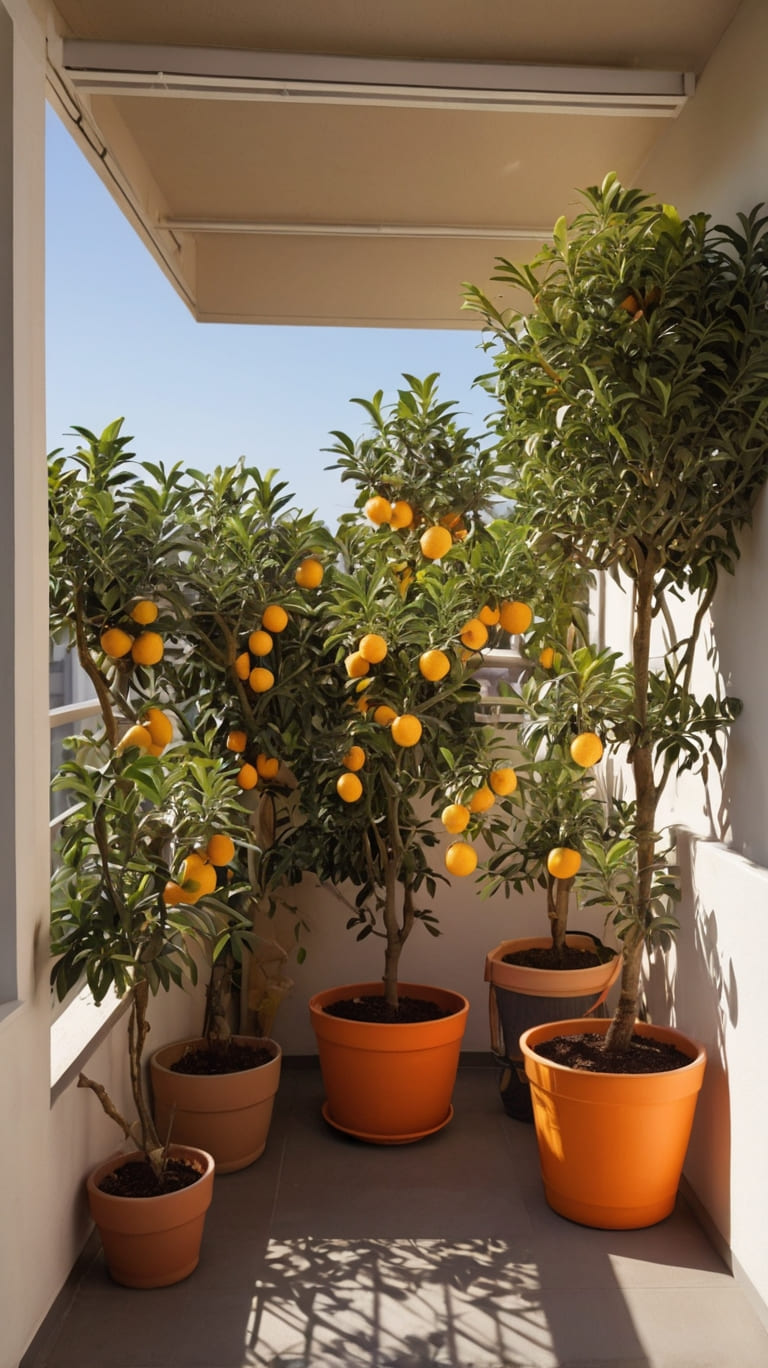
point(330, 1253)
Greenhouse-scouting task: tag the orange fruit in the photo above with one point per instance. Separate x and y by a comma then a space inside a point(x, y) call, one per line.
point(115, 642)
point(243, 665)
point(503, 780)
point(260, 643)
point(474, 634)
point(267, 766)
point(378, 509)
point(563, 863)
point(159, 726)
point(155, 750)
point(586, 749)
point(356, 665)
point(136, 736)
point(173, 894)
point(247, 777)
point(434, 665)
point(362, 705)
point(547, 657)
point(260, 679)
point(406, 730)
point(274, 618)
point(349, 787)
point(147, 649)
point(220, 850)
point(372, 648)
point(384, 715)
point(354, 758)
point(402, 514)
point(482, 799)
point(455, 818)
point(460, 858)
point(144, 612)
point(435, 542)
point(489, 616)
point(515, 617)
point(198, 877)
point(309, 574)
point(237, 742)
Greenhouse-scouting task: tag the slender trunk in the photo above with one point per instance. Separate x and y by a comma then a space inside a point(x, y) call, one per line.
point(138, 1030)
point(641, 755)
point(558, 898)
point(218, 1002)
point(392, 861)
point(93, 672)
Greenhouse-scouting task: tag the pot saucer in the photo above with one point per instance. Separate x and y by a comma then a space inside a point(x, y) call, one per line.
point(386, 1139)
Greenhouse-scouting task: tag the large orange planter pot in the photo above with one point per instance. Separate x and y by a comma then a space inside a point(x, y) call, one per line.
point(228, 1115)
point(520, 997)
point(389, 1084)
point(152, 1241)
point(612, 1146)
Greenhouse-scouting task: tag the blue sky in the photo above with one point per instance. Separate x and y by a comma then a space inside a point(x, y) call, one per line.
point(120, 343)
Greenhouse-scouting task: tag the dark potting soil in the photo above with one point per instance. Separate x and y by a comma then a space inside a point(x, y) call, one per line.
point(233, 1058)
point(544, 957)
point(375, 1008)
point(586, 1052)
point(137, 1178)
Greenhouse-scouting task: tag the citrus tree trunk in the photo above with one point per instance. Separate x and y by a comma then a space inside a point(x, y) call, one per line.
point(558, 898)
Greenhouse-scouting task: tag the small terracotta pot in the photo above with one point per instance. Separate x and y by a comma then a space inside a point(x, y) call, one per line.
point(228, 1115)
point(152, 1241)
point(387, 1083)
point(520, 997)
point(612, 1146)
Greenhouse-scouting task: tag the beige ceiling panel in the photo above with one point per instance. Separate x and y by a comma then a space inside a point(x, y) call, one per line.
point(381, 283)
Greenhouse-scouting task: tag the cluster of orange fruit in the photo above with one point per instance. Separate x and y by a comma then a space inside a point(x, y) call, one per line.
point(563, 862)
point(461, 856)
point(198, 875)
point(274, 620)
point(146, 648)
point(152, 733)
point(264, 766)
point(435, 540)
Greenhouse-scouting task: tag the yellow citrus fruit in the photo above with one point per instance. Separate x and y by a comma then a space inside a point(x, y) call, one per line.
point(434, 665)
point(309, 574)
point(260, 679)
point(137, 736)
point(378, 509)
point(474, 634)
point(460, 858)
point(563, 863)
point(260, 643)
point(115, 642)
point(147, 649)
point(455, 818)
point(243, 665)
point(274, 618)
point(198, 876)
point(406, 730)
point(267, 766)
point(435, 542)
point(372, 648)
point(482, 799)
point(173, 894)
point(503, 780)
point(515, 617)
point(489, 616)
point(237, 742)
point(144, 612)
point(547, 657)
point(402, 514)
point(159, 726)
point(384, 715)
point(354, 758)
point(586, 749)
point(220, 850)
point(349, 787)
point(356, 665)
point(247, 777)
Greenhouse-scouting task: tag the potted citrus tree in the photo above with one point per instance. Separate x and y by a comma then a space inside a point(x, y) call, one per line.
point(423, 582)
point(634, 424)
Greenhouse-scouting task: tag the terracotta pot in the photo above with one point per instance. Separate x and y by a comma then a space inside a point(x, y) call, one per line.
point(152, 1241)
point(389, 1084)
point(612, 1146)
point(520, 997)
point(228, 1115)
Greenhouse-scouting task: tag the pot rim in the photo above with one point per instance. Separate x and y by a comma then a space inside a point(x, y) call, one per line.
point(576, 1026)
point(120, 1157)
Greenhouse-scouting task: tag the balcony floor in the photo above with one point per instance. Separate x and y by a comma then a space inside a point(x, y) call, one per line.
point(330, 1253)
